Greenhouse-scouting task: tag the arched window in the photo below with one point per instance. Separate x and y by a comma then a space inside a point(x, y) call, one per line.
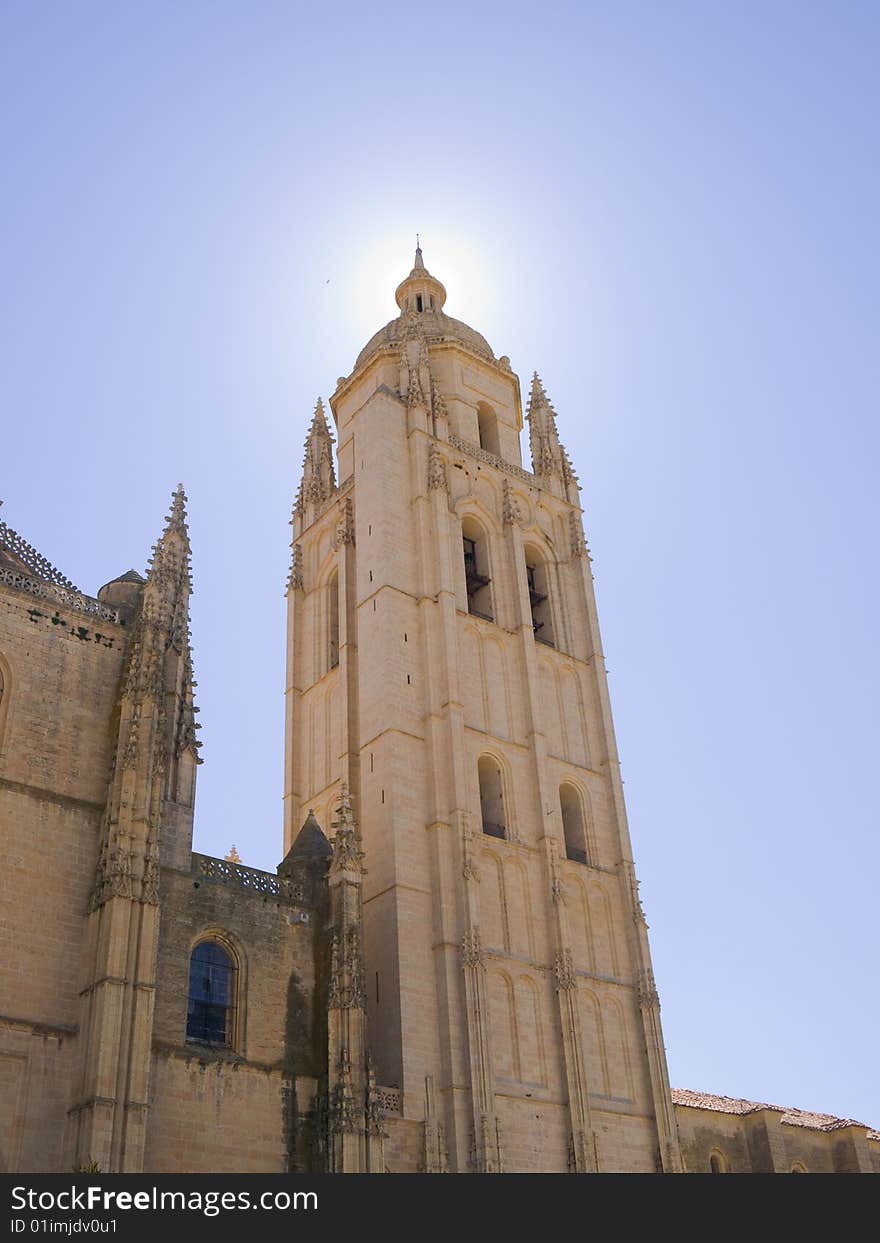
point(487, 424)
point(573, 825)
point(491, 797)
point(5, 693)
point(333, 622)
point(539, 597)
point(476, 570)
point(211, 1010)
point(718, 1163)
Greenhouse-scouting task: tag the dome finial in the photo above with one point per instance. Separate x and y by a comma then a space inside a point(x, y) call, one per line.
point(419, 265)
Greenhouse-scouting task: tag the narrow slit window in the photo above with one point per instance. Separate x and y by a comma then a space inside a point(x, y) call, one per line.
point(491, 798)
point(573, 824)
point(476, 571)
point(333, 622)
point(487, 429)
point(539, 599)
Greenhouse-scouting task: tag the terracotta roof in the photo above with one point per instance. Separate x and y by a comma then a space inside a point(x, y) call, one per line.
point(735, 1105)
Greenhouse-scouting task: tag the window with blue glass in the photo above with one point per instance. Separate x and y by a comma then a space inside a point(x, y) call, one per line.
point(211, 1007)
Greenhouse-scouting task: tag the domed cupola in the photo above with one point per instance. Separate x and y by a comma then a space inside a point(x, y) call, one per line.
point(421, 298)
point(420, 292)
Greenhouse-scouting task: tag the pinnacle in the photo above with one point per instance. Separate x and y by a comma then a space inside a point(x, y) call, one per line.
point(176, 520)
point(419, 265)
point(319, 421)
point(538, 396)
point(175, 523)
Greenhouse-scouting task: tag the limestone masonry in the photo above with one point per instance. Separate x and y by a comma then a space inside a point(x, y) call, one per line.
point(450, 970)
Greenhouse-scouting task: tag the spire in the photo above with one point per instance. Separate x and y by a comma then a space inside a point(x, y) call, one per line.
point(175, 534)
point(168, 586)
point(156, 746)
point(319, 421)
point(549, 459)
point(319, 477)
point(419, 265)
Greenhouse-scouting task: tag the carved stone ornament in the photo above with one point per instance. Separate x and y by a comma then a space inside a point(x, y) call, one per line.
point(347, 853)
point(512, 511)
point(647, 989)
point(437, 477)
point(346, 985)
point(632, 884)
point(437, 402)
point(295, 579)
point(469, 869)
point(375, 1111)
point(472, 949)
point(129, 755)
point(344, 532)
point(576, 535)
point(565, 975)
point(343, 1115)
point(150, 887)
point(414, 396)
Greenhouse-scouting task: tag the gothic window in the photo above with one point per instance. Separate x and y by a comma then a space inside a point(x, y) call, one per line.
point(333, 622)
point(718, 1163)
point(573, 824)
point(491, 797)
point(211, 1009)
point(476, 566)
point(419, 306)
point(487, 424)
point(539, 597)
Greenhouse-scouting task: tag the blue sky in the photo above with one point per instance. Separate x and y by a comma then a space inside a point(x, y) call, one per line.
point(669, 211)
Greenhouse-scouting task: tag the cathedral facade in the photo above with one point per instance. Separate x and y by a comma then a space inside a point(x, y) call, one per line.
point(450, 969)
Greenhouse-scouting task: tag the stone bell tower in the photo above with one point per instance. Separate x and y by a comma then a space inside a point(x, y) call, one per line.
point(444, 663)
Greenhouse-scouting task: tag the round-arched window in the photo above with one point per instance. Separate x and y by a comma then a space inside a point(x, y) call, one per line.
point(211, 1008)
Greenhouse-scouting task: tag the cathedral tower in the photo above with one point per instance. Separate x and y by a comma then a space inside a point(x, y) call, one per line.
point(444, 664)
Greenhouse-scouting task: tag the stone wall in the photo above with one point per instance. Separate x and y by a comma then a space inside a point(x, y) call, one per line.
point(251, 1100)
point(60, 674)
